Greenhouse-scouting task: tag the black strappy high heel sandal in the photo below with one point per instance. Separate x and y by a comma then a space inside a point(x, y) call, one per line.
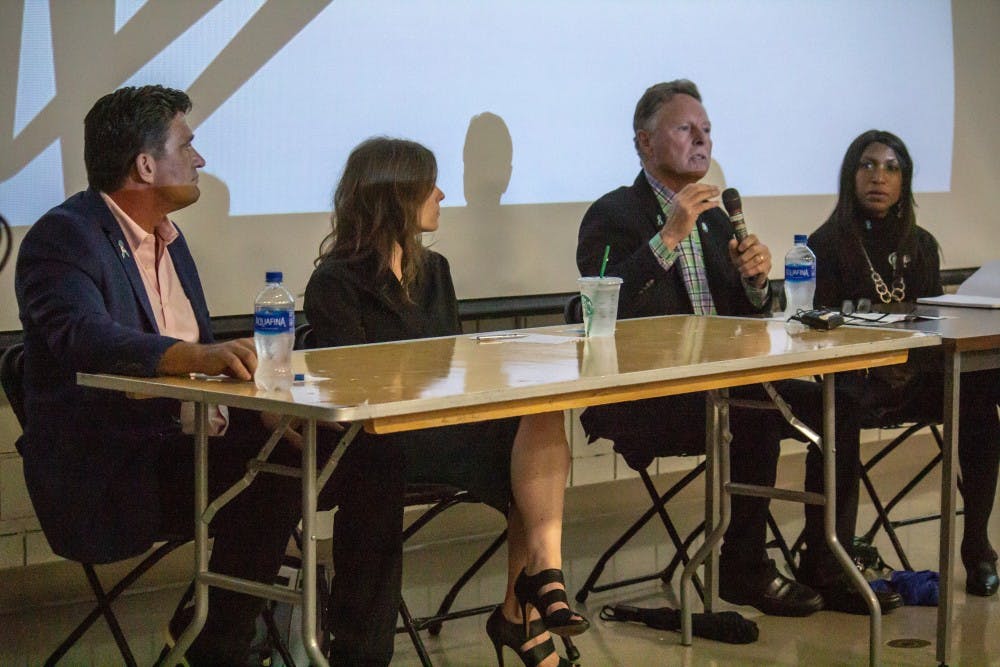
point(563, 622)
point(504, 633)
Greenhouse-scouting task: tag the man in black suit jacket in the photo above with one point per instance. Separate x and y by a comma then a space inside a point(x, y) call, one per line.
point(675, 251)
point(108, 474)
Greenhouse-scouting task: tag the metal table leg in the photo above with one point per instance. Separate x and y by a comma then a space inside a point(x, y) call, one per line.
point(830, 522)
point(205, 512)
point(309, 493)
point(200, 538)
point(949, 482)
point(717, 457)
point(717, 476)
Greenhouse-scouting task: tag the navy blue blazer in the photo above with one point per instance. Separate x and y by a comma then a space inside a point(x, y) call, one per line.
point(90, 455)
point(626, 219)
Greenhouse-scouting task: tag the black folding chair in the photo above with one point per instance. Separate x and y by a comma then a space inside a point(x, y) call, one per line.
point(438, 498)
point(573, 314)
point(12, 378)
point(883, 510)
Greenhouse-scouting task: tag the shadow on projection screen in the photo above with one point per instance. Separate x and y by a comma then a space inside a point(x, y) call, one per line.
point(283, 91)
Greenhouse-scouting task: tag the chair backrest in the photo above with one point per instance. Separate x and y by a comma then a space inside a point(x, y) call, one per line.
point(12, 379)
point(304, 338)
point(573, 310)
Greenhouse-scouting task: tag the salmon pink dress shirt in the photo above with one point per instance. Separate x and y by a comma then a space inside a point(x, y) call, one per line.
point(171, 307)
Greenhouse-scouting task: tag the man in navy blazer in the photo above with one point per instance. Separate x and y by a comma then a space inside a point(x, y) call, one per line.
point(675, 250)
point(98, 279)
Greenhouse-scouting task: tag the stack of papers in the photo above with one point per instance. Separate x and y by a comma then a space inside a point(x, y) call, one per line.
point(962, 301)
point(875, 318)
point(980, 290)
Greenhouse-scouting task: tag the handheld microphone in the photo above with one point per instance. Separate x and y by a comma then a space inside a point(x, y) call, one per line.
point(734, 207)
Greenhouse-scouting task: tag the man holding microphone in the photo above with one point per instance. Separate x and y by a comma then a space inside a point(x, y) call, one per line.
point(675, 250)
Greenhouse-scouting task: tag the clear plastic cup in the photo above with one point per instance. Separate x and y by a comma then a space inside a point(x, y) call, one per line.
point(599, 357)
point(599, 302)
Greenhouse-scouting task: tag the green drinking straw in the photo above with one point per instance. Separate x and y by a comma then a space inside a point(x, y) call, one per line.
point(604, 262)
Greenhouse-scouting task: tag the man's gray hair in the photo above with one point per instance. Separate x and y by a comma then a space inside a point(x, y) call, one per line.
point(655, 97)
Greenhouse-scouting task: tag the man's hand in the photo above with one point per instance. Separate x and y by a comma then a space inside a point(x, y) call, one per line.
point(235, 358)
point(692, 200)
point(752, 259)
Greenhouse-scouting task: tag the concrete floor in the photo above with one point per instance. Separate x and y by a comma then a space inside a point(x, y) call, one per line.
point(40, 609)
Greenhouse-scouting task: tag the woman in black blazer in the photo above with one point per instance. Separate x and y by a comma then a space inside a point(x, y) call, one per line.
point(375, 282)
point(872, 248)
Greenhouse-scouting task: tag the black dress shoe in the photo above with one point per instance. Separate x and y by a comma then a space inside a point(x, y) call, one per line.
point(820, 571)
point(981, 578)
point(980, 569)
point(842, 596)
point(769, 591)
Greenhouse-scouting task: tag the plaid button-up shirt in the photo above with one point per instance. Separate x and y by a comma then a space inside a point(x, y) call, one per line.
point(689, 258)
point(687, 255)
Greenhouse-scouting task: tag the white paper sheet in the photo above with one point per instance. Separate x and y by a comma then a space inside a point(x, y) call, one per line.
point(980, 290)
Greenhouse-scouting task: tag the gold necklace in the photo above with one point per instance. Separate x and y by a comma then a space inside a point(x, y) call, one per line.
point(886, 295)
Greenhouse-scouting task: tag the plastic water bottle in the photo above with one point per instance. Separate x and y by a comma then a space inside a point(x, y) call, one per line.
point(274, 334)
point(800, 282)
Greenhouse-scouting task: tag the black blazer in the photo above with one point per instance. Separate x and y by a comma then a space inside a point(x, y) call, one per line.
point(626, 219)
point(90, 455)
point(350, 302)
point(836, 282)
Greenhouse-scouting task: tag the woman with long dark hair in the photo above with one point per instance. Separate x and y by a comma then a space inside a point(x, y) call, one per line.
point(872, 248)
point(374, 282)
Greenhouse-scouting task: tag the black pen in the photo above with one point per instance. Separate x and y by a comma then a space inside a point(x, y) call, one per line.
point(501, 336)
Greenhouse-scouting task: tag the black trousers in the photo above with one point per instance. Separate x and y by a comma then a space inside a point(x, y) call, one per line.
point(251, 533)
point(675, 425)
point(979, 458)
point(368, 489)
point(978, 438)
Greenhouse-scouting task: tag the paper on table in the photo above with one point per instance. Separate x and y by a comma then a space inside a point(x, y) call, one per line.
point(961, 301)
point(980, 290)
point(538, 339)
point(865, 319)
point(984, 282)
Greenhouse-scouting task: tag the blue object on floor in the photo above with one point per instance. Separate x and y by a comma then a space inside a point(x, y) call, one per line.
point(916, 588)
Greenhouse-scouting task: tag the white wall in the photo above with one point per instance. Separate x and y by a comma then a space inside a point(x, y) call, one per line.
point(501, 249)
point(231, 260)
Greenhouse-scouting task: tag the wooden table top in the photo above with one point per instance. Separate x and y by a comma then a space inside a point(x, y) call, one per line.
point(436, 381)
point(965, 329)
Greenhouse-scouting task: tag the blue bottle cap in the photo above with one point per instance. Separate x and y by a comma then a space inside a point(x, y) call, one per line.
point(273, 277)
point(801, 238)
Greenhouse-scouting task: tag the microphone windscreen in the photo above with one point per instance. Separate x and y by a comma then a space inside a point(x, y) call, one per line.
point(731, 200)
